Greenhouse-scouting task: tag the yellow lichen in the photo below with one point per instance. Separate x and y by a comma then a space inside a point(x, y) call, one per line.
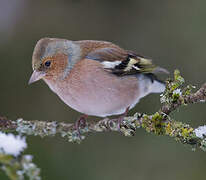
point(186, 132)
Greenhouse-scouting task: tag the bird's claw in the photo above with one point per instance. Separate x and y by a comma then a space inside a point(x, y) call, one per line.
point(80, 124)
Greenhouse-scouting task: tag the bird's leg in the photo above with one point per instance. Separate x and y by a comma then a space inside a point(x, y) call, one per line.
point(121, 118)
point(80, 123)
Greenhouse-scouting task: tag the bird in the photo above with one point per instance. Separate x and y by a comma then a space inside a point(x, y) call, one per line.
point(95, 78)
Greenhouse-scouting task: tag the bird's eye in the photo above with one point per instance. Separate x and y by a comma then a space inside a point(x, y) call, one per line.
point(47, 63)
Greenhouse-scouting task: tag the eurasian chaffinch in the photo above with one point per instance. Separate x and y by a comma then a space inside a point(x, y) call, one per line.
point(96, 78)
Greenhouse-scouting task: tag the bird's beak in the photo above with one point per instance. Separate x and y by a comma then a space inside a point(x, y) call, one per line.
point(36, 75)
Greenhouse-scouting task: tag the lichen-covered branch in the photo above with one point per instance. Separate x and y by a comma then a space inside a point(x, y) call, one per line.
point(174, 97)
point(158, 123)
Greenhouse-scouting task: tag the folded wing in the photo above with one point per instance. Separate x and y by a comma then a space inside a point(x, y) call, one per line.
point(122, 62)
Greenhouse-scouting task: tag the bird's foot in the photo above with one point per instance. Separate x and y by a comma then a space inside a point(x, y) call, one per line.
point(121, 118)
point(127, 128)
point(80, 123)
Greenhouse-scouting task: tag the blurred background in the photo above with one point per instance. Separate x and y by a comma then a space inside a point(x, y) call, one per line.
point(172, 33)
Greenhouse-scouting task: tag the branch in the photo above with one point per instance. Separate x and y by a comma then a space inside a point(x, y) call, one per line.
point(199, 96)
point(158, 123)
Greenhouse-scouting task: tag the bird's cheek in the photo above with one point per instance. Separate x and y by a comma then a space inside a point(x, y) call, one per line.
point(51, 75)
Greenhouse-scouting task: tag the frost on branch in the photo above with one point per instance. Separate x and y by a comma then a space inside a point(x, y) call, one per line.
point(200, 131)
point(15, 165)
point(10, 144)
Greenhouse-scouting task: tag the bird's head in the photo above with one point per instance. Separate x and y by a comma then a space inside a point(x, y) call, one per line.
point(53, 58)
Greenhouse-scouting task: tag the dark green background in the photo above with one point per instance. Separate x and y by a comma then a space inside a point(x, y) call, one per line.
point(171, 32)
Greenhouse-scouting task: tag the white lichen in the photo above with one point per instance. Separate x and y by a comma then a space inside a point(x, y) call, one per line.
point(200, 131)
point(11, 144)
point(163, 98)
point(177, 91)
